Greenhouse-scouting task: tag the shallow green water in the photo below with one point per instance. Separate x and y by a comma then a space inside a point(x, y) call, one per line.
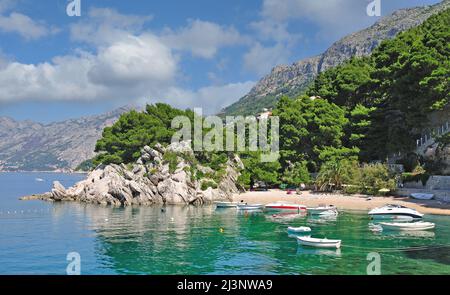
point(35, 238)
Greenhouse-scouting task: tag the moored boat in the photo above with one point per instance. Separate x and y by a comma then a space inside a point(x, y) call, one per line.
point(284, 206)
point(330, 212)
point(319, 243)
point(395, 212)
point(250, 206)
point(420, 196)
point(320, 209)
point(412, 226)
point(301, 229)
point(226, 204)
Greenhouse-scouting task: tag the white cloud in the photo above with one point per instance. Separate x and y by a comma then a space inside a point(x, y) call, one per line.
point(202, 38)
point(334, 17)
point(106, 25)
point(211, 98)
point(133, 60)
point(125, 64)
point(24, 26)
point(268, 29)
point(137, 66)
point(261, 60)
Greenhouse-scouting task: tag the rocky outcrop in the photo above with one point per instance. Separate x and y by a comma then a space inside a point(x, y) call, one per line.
point(150, 181)
point(293, 79)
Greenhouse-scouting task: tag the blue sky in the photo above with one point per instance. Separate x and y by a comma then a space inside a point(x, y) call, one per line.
point(196, 53)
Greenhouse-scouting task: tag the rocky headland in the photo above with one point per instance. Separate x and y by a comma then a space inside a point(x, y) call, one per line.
point(152, 179)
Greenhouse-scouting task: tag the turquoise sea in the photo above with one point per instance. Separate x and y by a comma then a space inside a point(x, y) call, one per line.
point(36, 236)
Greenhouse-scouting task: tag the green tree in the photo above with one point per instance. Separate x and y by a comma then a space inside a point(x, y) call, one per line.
point(309, 127)
point(122, 142)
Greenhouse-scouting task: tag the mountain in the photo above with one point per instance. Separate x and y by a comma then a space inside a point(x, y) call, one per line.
point(293, 79)
point(31, 146)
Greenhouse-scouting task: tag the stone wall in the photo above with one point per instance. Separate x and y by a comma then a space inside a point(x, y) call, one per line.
point(435, 182)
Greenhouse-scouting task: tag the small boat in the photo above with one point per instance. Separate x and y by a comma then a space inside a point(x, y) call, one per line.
point(284, 206)
point(412, 226)
point(226, 204)
point(319, 243)
point(395, 212)
point(301, 229)
point(420, 196)
point(330, 212)
point(250, 206)
point(320, 209)
point(39, 180)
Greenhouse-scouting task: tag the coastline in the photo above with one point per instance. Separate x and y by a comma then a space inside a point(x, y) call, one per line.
point(343, 202)
point(48, 172)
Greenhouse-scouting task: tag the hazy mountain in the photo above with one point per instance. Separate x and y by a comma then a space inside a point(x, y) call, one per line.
point(293, 79)
point(28, 146)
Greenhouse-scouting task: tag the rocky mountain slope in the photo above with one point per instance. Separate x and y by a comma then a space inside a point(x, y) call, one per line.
point(293, 79)
point(31, 146)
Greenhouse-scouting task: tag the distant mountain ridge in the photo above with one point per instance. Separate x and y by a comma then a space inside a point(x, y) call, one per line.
point(31, 146)
point(294, 79)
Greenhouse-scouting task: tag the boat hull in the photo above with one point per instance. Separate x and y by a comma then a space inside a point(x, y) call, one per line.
point(302, 229)
point(226, 204)
point(400, 218)
point(320, 210)
point(284, 208)
point(422, 196)
point(319, 243)
point(408, 226)
point(250, 207)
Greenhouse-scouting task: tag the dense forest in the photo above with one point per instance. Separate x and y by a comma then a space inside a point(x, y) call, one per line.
point(356, 113)
point(388, 96)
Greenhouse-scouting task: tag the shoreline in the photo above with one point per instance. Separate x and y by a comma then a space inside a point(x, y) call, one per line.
point(343, 202)
point(47, 172)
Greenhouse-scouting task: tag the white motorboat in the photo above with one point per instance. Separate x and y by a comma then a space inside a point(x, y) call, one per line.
point(250, 206)
point(410, 226)
point(318, 210)
point(319, 243)
point(284, 206)
point(420, 196)
point(331, 212)
point(301, 229)
point(226, 204)
point(396, 212)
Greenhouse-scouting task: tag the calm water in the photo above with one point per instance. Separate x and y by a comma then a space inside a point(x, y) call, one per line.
point(36, 236)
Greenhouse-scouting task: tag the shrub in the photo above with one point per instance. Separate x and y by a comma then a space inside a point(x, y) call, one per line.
point(208, 183)
point(171, 158)
point(375, 177)
point(411, 177)
point(296, 174)
point(335, 174)
point(352, 178)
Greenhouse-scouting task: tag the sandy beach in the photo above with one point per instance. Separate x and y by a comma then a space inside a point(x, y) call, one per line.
point(343, 202)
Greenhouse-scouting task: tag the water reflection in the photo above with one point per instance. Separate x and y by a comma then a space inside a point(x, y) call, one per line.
point(206, 240)
point(285, 217)
point(324, 252)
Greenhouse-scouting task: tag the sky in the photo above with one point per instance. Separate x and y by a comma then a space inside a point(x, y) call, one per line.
point(196, 53)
